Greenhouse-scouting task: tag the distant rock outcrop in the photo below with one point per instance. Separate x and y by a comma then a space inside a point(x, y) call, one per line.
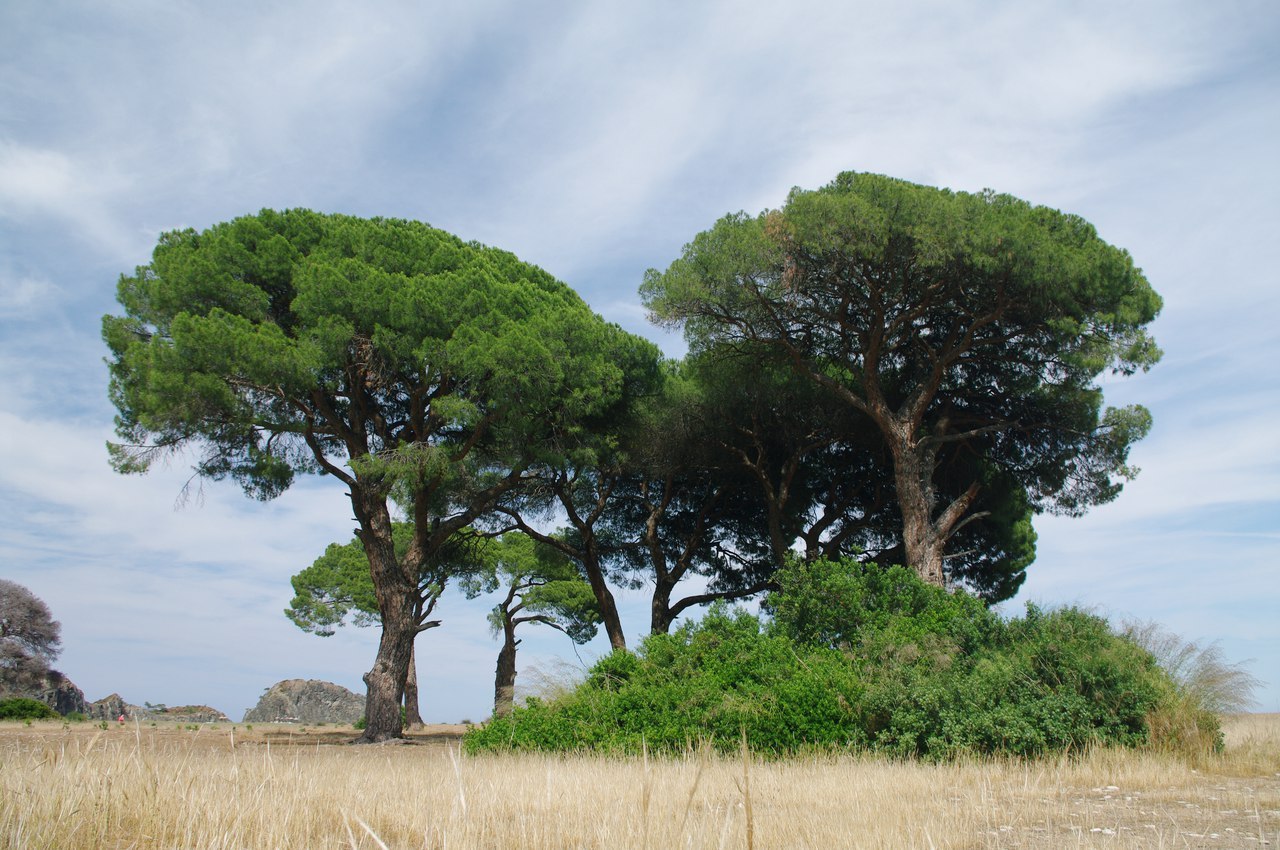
point(54, 690)
point(111, 707)
point(192, 714)
point(62, 695)
point(306, 701)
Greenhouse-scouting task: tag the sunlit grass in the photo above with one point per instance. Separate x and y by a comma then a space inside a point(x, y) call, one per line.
point(141, 787)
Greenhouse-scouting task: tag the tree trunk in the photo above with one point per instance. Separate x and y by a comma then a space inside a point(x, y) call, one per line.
point(412, 717)
point(925, 530)
point(660, 616)
point(604, 598)
point(504, 683)
point(397, 606)
point(922, 541)
point(589, 558)
point(385, 682)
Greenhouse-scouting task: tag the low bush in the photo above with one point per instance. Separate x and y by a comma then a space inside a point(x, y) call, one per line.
point(856, 656)
point(1046, 682)
point(707, 682)
point(24, 708)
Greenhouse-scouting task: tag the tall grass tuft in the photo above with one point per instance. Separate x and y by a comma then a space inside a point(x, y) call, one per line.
point(1204, 687)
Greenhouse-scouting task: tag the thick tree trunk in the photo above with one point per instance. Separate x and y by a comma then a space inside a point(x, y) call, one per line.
point(925, 529)
point(397, 605)
point(504, 682)
point(660, 615)
point(922, 541)
point(385, 682)
point(412, 716)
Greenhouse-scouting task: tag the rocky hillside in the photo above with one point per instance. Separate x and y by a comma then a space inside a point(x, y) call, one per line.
point(111, 707)
point(61, 694)
point(306, 701)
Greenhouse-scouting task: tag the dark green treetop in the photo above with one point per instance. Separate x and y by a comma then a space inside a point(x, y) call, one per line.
point(960, 325)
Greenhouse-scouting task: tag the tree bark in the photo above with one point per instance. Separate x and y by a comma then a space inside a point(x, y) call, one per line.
point(920, 540)
point(925, 531)
point(412, 716)
point(385, 682)
point(660, 614)
point(397, 606)
point(604, 598)
point(504, 683)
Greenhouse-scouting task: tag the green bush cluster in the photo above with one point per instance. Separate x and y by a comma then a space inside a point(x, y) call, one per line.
point(24, 708)
point(707, 682)
point(856, 656)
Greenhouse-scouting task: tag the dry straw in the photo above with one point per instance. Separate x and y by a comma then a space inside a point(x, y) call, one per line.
point(78, 788)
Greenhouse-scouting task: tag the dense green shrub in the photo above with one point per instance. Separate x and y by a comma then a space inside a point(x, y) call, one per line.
point(871, 609)
point(857, 656)
point(1046, 682)
point(707, 682)
point(23, 708)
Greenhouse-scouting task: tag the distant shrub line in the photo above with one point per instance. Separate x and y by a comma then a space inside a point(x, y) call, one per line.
point(859, 657)
point(24, 708)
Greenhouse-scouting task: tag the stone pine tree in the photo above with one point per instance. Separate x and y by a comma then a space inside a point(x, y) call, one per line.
point(581, 484)
point(969, 329)
point(584, 492)
point(337, 590)
point(821, 481)
point(677, 505)
point(538, 584)
point(391, 356)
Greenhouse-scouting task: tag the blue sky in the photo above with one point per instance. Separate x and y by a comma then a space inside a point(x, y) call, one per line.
point(595, 139)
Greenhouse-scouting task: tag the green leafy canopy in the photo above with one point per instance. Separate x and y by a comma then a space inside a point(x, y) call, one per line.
point(282, 340)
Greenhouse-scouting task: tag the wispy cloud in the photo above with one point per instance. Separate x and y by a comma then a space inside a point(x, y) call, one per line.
point(23, 296)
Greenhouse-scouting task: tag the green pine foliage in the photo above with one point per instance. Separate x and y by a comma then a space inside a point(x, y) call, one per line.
point(857, 657)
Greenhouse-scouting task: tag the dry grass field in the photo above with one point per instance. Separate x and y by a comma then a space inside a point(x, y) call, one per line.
point(226, 788)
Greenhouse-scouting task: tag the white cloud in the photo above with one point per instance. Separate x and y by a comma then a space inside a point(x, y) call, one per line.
point(46, 182)
point(23, 296)
point(65, 466)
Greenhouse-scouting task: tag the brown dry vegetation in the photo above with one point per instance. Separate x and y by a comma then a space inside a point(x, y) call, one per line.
point(222, 787)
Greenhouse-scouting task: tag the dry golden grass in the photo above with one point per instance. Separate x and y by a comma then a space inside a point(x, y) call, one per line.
point(223, 789)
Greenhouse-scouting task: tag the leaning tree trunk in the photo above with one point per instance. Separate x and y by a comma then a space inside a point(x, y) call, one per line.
point(660, 615)
point(604, 598)
point(412, 716)
point(385, 682)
